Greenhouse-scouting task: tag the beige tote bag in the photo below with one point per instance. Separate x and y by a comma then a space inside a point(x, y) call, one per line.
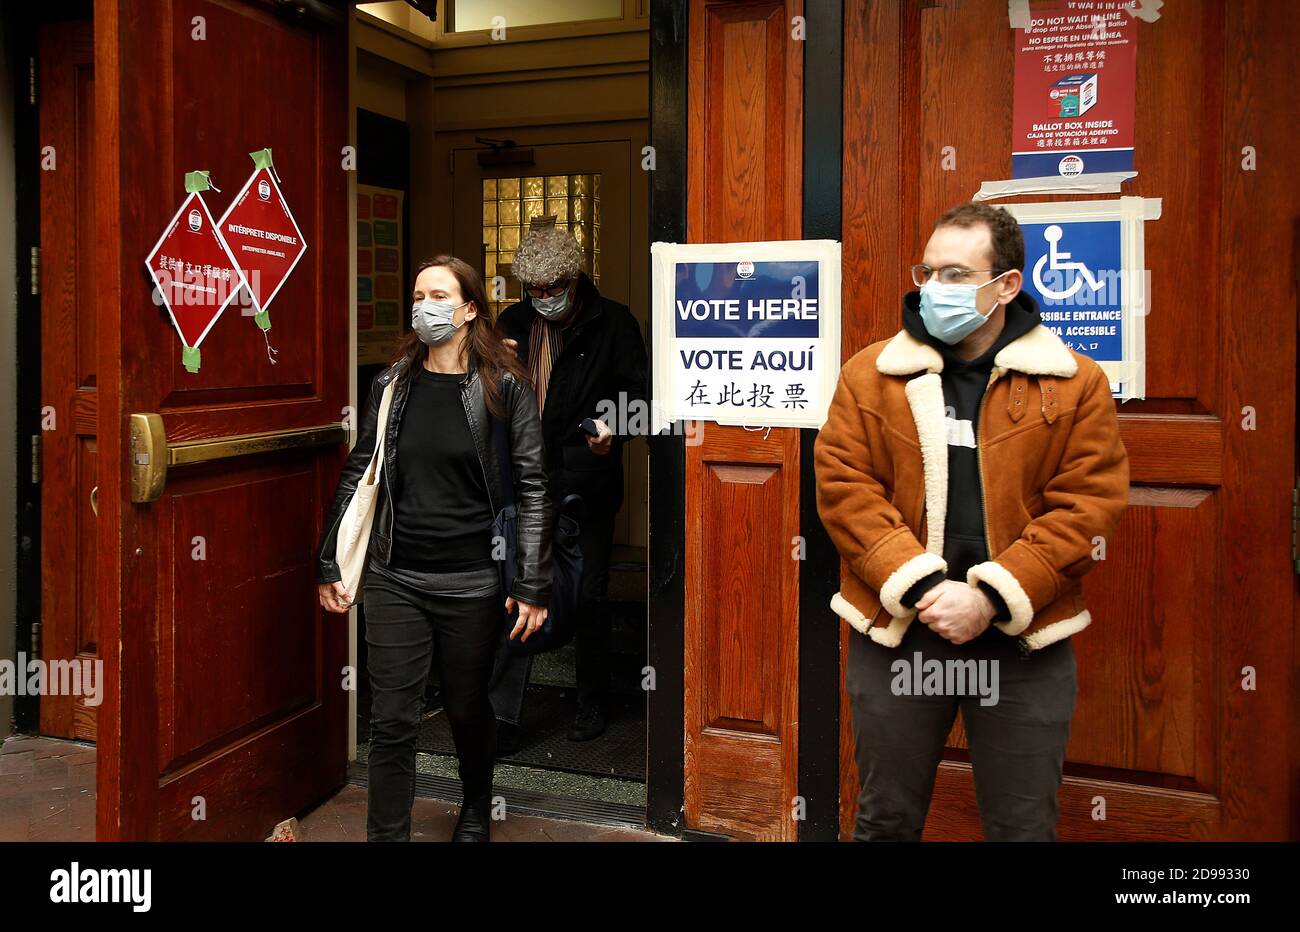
point(358, 518)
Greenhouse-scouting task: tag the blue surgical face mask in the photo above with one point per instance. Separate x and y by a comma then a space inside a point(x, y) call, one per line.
point(431, 320)
point(553, 307)
point(949, 311)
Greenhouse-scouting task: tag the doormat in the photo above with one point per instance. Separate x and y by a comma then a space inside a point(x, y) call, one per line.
point(548, 713)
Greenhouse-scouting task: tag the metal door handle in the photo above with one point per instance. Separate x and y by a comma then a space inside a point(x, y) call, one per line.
point(152, 455)
point(94, 500)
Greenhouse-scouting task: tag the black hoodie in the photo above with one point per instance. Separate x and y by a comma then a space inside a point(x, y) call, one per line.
point(964, 384)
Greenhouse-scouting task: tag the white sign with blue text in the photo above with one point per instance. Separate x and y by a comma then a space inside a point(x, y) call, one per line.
point(746, 333)
point(1085, 266)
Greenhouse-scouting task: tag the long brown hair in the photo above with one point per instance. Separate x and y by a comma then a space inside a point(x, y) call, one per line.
point(482, 348)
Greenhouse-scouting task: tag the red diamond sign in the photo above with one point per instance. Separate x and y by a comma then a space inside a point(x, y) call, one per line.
point(263, 236)
point(194, 273)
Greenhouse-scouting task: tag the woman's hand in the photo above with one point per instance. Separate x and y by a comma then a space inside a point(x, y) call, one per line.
point(531, 617)
point(334, 597)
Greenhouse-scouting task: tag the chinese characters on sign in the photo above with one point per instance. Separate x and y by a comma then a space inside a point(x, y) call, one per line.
point(195, 271)
point(1076, 69)
point(751, 332)
point(195, 277)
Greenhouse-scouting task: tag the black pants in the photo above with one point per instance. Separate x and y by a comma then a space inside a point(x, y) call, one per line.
point(1017, 744)
point(591, 638)
point(403, 626)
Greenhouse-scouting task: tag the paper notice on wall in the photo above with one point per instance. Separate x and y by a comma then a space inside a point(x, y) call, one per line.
point(746, 333)
point(1075, 77)
point(381, 289)
point(194, 274)
point(1085, 265)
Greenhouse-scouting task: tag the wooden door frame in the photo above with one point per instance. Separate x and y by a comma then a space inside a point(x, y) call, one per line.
point(665, 709)
point(23, 24)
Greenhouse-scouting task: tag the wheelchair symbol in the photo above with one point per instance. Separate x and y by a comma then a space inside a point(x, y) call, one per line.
point(1053, 259)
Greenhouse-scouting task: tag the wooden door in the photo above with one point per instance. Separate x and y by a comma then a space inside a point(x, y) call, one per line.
point(225, 706)
point(741, 645)
point(1187, 677)
point(69, 378)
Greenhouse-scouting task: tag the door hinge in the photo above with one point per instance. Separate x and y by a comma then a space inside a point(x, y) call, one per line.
point(36, 459)
point(36, 639)
point(1295, 528)
point(31, 79)
point(36, 270)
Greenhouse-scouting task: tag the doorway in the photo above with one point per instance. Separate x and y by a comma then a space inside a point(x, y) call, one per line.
point(585, 187)
point(65, 450)
point(480, 169)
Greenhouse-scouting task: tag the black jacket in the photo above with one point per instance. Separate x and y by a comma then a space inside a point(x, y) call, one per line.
point(603, 357)
point(964, 385)
point(533, 574)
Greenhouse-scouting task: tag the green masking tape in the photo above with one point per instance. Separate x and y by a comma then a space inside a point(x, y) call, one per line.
point(190, 358)
point(261, 158)
point(197, 181)
point(263, 319)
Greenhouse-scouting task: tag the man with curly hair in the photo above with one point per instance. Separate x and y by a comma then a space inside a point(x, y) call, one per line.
point(581, 349)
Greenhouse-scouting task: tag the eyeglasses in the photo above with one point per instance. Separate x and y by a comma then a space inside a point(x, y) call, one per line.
point(549, 291)
point(948, 275)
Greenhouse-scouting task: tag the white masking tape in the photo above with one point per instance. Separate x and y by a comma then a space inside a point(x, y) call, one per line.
point(1099, 183)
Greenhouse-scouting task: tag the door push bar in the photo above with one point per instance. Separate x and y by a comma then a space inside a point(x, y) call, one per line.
point(152, 455)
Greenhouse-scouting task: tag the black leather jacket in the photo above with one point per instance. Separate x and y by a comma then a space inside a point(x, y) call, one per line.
point(533, 573)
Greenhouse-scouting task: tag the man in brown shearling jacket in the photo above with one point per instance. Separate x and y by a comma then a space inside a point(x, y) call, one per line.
point(970, 471)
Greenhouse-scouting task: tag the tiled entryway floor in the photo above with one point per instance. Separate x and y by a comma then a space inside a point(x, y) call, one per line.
point(47, 793)
point(47, 790)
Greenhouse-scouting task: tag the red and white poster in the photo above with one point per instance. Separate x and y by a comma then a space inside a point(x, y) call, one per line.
point(1076, 70)
point(263, 236)
point(195, 275)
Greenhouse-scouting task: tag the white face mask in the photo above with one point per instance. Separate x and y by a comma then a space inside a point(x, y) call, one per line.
point(554, 307)
point(432, 320)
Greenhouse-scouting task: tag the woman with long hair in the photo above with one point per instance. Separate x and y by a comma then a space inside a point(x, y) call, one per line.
point(431, 583)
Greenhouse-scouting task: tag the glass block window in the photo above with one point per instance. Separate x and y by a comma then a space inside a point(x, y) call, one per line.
point(510, 203)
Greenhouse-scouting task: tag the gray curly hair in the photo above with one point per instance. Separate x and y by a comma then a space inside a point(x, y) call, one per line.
point(547, 255)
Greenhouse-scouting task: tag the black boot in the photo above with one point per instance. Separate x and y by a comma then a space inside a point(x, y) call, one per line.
point(589, 722)
point(509, 738)
point(475, 820)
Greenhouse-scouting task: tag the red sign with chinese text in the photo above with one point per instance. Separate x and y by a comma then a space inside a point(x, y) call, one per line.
point(1075, 100)
point(195, 274)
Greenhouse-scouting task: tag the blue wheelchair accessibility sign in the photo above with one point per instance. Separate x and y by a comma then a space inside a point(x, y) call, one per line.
point(1075, 272)
point(1085, 266)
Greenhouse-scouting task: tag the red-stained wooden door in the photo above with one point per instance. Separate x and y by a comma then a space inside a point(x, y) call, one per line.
point(741, 650)
point(225, 707)
point(1187, 675)
point(69, 381)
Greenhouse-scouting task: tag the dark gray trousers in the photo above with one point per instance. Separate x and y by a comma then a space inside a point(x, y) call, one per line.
point(404, 625)
point(1017, 744)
